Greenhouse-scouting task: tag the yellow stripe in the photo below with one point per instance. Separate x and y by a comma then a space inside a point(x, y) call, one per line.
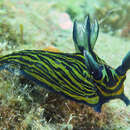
point(120, 91)
point(93, 100)
point(44, 81)
point(68, 74)
point(113, 87)
point(66, 71)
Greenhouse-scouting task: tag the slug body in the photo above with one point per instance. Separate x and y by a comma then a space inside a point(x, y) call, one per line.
point(80, 76)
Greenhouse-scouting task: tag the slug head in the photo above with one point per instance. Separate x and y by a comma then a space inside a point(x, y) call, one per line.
point(125, 66)
point(109, 83)
point(121, 71)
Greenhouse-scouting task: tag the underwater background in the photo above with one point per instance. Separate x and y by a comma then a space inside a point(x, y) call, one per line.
point(47, 25)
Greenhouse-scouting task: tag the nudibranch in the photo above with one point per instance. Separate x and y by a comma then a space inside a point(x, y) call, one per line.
point(81, 76)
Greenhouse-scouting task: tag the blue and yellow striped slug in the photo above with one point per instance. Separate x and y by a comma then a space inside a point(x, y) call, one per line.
point(80, 76)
